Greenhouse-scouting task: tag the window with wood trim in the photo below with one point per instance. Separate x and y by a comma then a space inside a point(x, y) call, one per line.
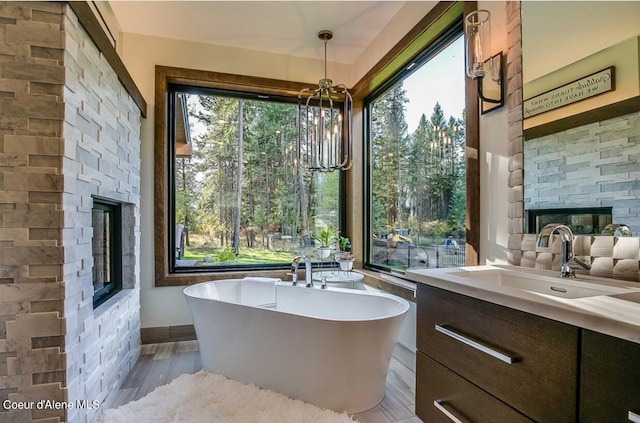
point(236, 197)
point(416, 177)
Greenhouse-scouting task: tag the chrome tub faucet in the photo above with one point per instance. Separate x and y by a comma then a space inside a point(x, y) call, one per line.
point(307, 268)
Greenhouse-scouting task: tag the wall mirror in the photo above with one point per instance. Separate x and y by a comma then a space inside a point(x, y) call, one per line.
point(582, 157)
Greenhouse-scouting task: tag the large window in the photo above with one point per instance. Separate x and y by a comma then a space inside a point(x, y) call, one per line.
point(237, 198)
point(417, 169)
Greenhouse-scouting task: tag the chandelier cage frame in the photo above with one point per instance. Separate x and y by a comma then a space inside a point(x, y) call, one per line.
point(324, 123)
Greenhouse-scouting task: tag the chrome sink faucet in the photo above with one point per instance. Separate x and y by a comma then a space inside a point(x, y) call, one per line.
point(567, 238)
point(307, 268)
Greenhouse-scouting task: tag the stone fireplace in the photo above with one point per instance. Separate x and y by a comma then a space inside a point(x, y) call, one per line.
point(69, 132)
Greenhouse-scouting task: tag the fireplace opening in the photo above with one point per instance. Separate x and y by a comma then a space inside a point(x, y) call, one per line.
point(582, 221)
point(106, 246)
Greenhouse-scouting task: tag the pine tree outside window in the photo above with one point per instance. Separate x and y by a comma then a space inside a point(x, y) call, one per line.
point(238, 199)
point(416, 180)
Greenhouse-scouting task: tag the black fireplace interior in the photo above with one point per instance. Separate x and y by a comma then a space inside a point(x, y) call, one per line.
point(582, 221)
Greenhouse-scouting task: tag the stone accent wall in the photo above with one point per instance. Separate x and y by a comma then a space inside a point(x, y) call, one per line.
point(592, 165)
point(609, 256)
point(32, 324)
point(101, 133)
point(514, 118)
point(68, 131)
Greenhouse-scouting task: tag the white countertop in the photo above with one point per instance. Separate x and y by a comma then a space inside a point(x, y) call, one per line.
point(616, 315)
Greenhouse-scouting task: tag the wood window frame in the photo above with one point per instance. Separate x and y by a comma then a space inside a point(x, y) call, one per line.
point(430, 28)
point(164, 77)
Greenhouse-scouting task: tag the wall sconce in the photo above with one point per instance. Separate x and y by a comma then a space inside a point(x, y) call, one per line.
point(485, 69)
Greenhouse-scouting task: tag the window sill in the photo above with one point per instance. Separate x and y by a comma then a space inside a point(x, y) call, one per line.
point(184, 279)
point(392, 284)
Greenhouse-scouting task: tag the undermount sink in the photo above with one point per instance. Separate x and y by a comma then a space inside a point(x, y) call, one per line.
point(542, 284)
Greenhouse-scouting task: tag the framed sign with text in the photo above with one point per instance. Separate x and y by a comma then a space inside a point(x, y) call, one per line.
point(589, 86)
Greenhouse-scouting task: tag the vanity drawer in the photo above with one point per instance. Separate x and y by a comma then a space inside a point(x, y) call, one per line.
point(610, 379)
point(456, 397)
point(477, 339)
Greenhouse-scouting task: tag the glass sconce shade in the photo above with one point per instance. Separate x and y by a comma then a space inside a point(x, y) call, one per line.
point(477, 29)
point(480, 63)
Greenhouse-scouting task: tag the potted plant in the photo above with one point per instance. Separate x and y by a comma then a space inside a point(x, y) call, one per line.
point(344, 245)
point(346, 261)
point(325, 237)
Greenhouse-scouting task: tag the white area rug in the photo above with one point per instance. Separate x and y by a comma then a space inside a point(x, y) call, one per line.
point(207, 398)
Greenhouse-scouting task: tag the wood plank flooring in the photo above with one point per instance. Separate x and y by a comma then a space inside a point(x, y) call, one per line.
point(159, 364)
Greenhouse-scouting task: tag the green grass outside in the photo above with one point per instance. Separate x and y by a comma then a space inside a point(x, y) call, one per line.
point(246, 256)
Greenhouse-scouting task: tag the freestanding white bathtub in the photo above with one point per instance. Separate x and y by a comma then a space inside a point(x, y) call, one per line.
point(329, 347)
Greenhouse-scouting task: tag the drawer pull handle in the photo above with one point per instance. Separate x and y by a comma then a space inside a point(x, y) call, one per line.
point(634, 417)
point(439, 404)
point(476, 345)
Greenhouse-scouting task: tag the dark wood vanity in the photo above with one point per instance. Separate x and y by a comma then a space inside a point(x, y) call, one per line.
point(609, 379)
point(482, 362)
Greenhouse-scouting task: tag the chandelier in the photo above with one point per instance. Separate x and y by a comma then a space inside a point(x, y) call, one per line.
point(442, 148)
point(324, 123)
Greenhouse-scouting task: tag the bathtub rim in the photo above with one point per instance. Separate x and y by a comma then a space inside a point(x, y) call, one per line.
point(403, 304)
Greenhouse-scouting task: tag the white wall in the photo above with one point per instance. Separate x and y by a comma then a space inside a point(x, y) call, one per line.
point(585, 28)
point(164, 306)
point(494, 159)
